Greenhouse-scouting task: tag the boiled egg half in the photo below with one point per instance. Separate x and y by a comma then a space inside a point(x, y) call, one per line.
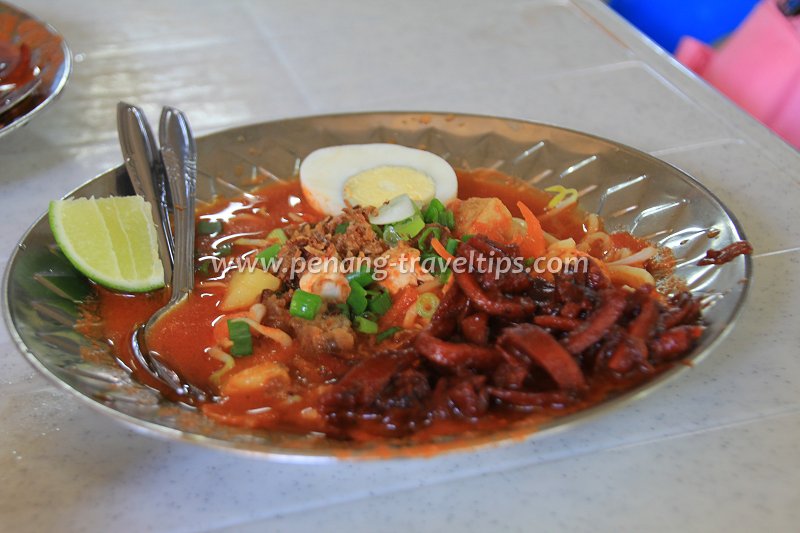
point(372, 174)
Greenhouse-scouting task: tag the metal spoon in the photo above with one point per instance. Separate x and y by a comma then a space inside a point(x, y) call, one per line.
point(143, 163)
point(179, 157)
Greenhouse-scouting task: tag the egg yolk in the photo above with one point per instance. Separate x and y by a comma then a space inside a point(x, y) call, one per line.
point(378, 185)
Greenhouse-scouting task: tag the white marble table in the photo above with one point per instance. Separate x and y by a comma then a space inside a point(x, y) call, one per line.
point(714, 450)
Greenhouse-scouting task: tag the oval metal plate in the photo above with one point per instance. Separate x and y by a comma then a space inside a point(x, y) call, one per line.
point(631, 190)
point(49, 52)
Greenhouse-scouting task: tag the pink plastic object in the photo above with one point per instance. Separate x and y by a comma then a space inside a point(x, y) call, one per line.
point(758, 67)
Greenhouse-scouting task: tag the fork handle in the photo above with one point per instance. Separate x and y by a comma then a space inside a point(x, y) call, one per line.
point(179, 157)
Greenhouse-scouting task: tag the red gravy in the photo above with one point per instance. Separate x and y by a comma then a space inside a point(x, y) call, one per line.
point(183, 338)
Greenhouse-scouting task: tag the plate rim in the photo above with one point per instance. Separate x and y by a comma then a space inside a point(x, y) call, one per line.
point(55, 93)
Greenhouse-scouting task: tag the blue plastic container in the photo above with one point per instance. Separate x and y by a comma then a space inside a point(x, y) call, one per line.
point(666, 21)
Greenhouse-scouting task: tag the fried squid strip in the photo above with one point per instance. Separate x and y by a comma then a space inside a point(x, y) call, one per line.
point(511, 281)
point(363, 383)
point(455, 355)
point(530, 399)
point(543, 350)
point(561, 323)
point(453, 304)
point(466, 395)
point(674, 342)
point(639, 332)
point(729, 253)
point(475, 328)
point(687, 310)
point(498, 305)
point(596, 325)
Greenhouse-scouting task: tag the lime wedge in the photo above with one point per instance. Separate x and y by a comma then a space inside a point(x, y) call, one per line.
point(112, 241)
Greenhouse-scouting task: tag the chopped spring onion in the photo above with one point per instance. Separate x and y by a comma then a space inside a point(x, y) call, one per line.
point(448, 219)
point(431, 232)
point(344, 309)
point(451, 246)
point(444, 276)
point(267, 255)
point(365, 325)
point(561, 194)
point(467, 237)
point(304, 304)
point(397, 209)
point(277, 235)
point(209, 227)
point(341, 228)
point(203, 267)
point(369, 315)
point(357, 299)
point(223, 250)
point(433, 211)
point(437, 213)
point(240, 336)
point(387, 333)
point(410, 227)
point(381, 303)
point(362, 277)
point(427, 304)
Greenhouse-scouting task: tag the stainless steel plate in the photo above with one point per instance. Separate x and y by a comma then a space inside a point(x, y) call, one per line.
point(49, 52)
point(631, 190)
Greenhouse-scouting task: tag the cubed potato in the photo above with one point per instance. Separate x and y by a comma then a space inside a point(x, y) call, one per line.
point(485, 216)
point(245, 289)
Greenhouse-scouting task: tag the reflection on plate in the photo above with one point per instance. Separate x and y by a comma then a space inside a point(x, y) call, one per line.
point(48, 51)
point(630, 190)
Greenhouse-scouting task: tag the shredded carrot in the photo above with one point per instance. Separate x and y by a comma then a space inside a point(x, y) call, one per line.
point(441, 250)
point(401, 303)
point(533, 244)
point(449, 283)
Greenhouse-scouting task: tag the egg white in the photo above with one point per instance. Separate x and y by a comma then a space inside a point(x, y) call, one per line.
point(324, 175)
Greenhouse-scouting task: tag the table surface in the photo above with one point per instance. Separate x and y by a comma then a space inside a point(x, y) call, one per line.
point(714, 450)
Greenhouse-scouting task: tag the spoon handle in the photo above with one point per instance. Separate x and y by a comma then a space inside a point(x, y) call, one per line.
point(179, 156)
point(142, 162)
